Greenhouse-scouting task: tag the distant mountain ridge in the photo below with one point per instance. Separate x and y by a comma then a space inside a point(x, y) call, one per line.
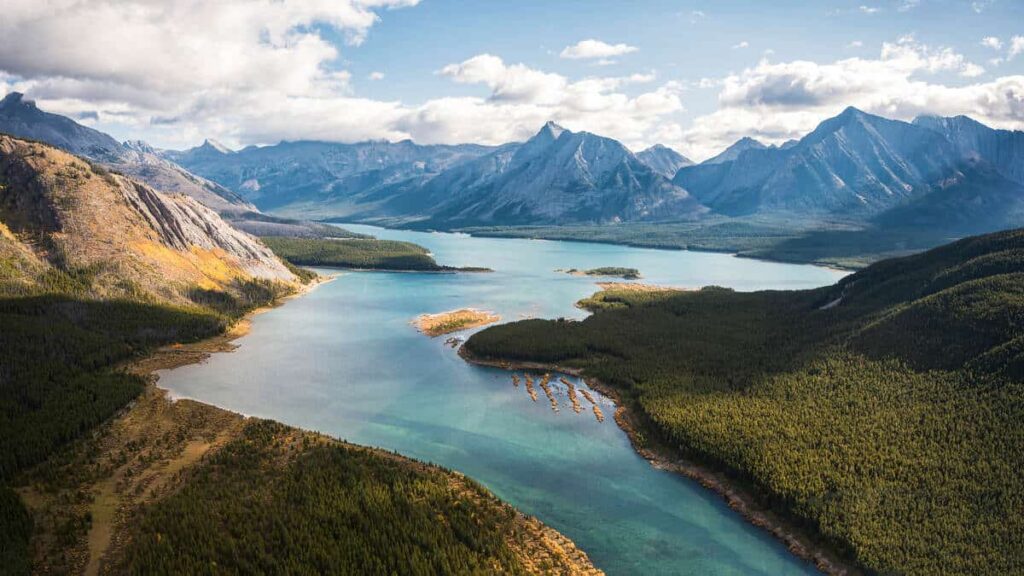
point(855, 167)
point(22, 118)
point(954, 176)
point(558, 176)
point(862, 167)
point(733, 151)
point(303, 171)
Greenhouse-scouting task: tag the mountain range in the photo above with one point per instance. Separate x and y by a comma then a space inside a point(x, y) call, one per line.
point(558, 176)
point(953, 176)
point(953, 173)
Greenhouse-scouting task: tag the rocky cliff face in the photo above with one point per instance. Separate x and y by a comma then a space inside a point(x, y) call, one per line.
point(78, 216)
point(1003, 150)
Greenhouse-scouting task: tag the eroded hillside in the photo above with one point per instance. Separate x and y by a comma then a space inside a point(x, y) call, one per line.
point(62, 212)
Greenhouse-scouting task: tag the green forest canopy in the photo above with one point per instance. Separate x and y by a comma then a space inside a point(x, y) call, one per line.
point(883, 412)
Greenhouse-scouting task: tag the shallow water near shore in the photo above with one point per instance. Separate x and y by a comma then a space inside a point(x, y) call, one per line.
point(345, 360)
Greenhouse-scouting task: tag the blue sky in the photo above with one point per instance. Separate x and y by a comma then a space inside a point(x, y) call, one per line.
point(694, 75)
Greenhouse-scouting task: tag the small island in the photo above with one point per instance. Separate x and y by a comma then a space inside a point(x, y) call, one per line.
point(607, 271)
point(453, 321)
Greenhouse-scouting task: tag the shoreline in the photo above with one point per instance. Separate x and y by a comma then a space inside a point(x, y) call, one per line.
point(800, 543)
point(453, 270)
point(178, 355)
point(542, 543)
point(728, 251)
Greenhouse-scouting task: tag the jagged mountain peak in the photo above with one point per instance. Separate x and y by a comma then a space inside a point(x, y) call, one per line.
point(943, 123)
point(733, 152)
point(20, 117)
point(851, 116)
point(853, 163)
point(658, 148)
point(545, 137)
point(552, 129)
point(214, 146)
point(852, 112)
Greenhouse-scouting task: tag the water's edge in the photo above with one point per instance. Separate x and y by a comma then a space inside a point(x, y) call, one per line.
point(346, 362)
point(198, 352)
point(801, 543)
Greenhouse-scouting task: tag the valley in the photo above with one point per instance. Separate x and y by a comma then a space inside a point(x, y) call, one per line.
point(98, 273)
point(857, 189)
point(373, 380)
point(850, 422)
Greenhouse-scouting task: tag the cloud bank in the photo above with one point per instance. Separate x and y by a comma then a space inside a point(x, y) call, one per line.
point(777, 101)
point(259, 71)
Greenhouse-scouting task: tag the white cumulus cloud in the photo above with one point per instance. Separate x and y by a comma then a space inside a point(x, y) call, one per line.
point(592, 49)
point(775, 102)
point(1016, 46)
point(992, 42)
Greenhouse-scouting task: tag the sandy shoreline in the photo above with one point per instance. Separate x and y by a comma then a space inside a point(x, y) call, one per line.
point(799, 543)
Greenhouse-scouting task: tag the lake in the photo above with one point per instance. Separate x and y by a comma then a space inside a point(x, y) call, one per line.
point(344, 360)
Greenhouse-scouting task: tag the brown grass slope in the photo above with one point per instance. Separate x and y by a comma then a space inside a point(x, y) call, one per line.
point(65, 212)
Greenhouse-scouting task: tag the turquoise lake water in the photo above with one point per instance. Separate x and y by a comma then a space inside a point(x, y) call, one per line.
point(344, 360)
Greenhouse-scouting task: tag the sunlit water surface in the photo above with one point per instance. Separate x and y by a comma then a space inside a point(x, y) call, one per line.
point(345, 360)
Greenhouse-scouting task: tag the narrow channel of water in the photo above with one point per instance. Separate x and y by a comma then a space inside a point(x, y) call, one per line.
point(345, 360)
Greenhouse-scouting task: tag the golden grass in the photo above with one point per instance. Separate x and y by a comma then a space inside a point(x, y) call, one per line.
point(454, 321)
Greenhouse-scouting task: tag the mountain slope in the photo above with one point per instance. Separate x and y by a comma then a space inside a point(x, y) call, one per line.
point(22, 118)
point(663, 160)
point(734, 151)
point(304, 172)
point(558, 176)
point(855, 164)
point(1003, 149)
point(129, 237)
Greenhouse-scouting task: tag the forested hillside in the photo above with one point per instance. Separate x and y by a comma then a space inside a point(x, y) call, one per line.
point(883, 413)
point(299, 503)
point(97, 271)
point(358, 253)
